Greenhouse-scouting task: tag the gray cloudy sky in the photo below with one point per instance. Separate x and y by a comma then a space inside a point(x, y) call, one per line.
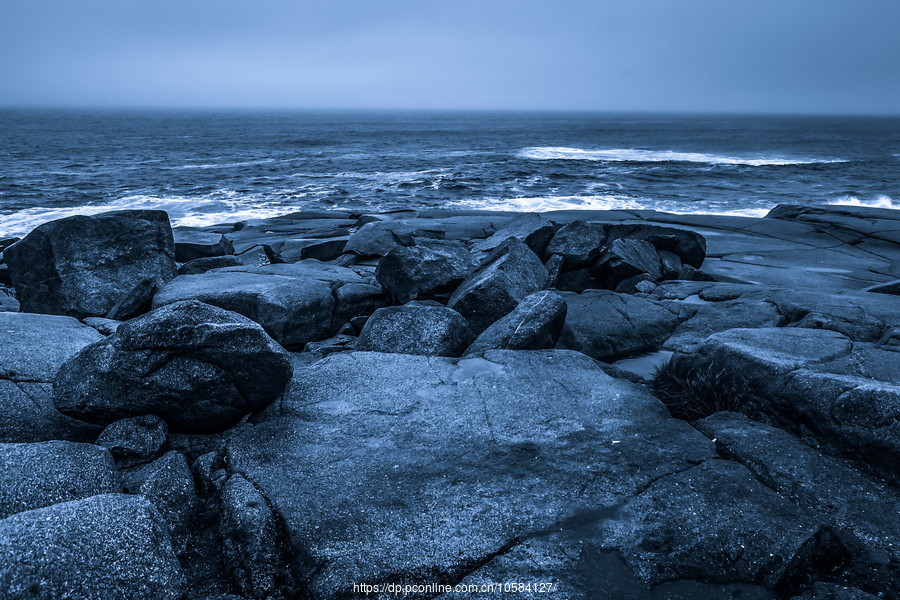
point(837, 56)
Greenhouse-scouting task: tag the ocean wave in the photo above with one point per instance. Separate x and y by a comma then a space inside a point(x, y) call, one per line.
point(640, 155)
point(602, 202)
point(877, 202)
point(228, 165)
point(221, 207)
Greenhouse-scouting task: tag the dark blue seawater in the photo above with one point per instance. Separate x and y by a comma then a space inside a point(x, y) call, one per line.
point(217, 167)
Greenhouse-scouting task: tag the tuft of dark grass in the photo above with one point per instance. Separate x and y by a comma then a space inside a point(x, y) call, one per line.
point(692, 392)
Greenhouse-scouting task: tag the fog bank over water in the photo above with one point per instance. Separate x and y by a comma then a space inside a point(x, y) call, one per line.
point(804, 56)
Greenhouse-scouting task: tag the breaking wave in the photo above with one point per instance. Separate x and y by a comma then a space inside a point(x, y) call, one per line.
point(222, 207)
point(639, 155)
point(877, 202)
point(601, 202)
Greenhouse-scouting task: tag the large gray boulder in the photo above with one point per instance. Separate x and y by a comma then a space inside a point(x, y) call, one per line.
point(428, 268)
point(295, 303)
point(105, 546)
point(199, 367)
point(535, 324)
point(83, 265)
point(607, 325)
point(35, 347)
point(507, 275)
point(627, 258)
point(482, 453)
point(416, 329)
point(688, 245)
point(44, 473)
point(579, 243)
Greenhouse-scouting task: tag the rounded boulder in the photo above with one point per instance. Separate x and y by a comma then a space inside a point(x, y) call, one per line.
point(198, 367)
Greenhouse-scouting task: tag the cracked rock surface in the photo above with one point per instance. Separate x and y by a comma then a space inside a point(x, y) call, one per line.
point(392, 467)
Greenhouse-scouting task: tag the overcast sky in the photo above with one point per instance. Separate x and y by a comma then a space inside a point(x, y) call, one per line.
point(832, 56)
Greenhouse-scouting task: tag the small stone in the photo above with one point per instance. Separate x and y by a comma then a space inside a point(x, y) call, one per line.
point(135, 440)
point(83, 265)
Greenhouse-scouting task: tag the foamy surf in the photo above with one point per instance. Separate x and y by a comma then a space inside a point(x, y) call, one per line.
point(602, 202)
point(225, 207)
point(640, 155)
point(877, 202)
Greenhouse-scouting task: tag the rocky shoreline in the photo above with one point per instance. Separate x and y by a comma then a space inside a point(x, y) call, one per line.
point(578, 404)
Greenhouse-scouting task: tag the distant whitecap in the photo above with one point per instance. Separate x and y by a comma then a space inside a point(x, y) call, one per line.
point(640, 155)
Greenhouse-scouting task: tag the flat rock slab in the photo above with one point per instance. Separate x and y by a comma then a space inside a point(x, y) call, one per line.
point(40, 474)
point(295, 303)
point(34, 348)
point(106, 546)
point(390, 468)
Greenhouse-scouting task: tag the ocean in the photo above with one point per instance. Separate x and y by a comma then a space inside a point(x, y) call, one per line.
point(213, 167)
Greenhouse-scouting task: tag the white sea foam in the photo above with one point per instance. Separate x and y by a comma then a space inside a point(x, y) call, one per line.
point(641, 155)
point(877, 202)
point(600, 202)
point(223, 207)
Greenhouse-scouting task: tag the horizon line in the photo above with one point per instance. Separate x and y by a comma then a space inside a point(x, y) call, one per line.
point(361, 109)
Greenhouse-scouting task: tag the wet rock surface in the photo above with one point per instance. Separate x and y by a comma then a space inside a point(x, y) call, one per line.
point(540, 420)
point(860, 511)
point(477, 404)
